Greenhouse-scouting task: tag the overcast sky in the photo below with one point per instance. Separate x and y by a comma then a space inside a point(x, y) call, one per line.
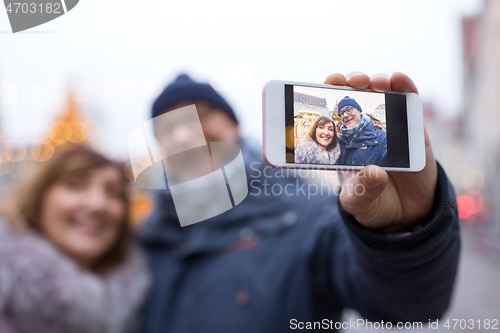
point(119, 52)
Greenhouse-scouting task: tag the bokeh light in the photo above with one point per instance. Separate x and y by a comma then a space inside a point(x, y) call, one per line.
point(22, 169)
point(40, 132)
point(9, 92)
point(465, 206)
point(42, 153)
point(9, 168)
point(3, 168)
point(242, 74)
point(97, 132)
point(12, 128)
point(32, 92)
point(79, 131)
point(81, 91)
point(472, 180)
point(104, 89)
point(220, 80)
point(59, 132)
point(15, 151)
point(470, 203)
point(151, 86)
point(478, 200)
point(56, 92)
point(127, 88)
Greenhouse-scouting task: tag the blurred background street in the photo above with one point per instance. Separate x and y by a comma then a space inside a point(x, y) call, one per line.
point(476, 292)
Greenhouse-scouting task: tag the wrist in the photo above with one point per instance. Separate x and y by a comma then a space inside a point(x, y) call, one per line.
point(401, 235)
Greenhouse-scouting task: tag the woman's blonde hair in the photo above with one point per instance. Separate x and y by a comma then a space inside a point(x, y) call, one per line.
point(23, 207)
point(321, 121)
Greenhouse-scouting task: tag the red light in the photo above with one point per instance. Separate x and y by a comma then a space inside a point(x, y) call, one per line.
point(465, 206)
point(478, 200)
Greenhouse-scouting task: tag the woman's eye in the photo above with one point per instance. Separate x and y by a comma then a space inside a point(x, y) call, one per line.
point(113, 193)
point(75, 184)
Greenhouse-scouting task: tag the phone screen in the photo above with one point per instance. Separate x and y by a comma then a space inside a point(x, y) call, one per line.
point(329, 126)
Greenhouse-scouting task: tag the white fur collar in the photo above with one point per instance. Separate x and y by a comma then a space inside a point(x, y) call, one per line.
point(43, 290)
point(309, 151)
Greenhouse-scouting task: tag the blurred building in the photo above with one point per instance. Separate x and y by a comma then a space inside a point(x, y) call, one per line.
point(308, 103)
point(379, 115)
point(17, 158)
point(480, 121)
point(306, 109)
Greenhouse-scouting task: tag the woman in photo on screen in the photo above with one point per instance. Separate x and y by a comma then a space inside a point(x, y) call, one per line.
point(319, 145)
point(68, 262)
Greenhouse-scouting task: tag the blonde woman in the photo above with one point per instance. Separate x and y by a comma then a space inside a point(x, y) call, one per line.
point(67, 260)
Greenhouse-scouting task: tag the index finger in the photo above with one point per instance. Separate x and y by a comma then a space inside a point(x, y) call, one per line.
point(402, 82)
point(336, 79)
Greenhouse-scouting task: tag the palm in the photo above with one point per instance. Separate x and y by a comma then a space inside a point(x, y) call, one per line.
point(413, 193)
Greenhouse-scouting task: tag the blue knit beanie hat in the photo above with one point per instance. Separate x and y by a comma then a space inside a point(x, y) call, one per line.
point(348, 101)
point(183, 88)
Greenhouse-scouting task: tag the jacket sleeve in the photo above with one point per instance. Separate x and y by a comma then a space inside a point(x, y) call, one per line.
point(383, 146)
point(405, 278)
point(43, 290)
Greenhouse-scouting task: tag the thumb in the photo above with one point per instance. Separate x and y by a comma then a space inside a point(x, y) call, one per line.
point(360, 195)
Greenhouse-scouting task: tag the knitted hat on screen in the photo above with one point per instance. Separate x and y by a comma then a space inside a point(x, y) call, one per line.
point(183, 88)
point(348, 101)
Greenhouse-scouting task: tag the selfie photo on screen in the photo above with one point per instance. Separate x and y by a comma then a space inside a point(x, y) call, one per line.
point(335, 127)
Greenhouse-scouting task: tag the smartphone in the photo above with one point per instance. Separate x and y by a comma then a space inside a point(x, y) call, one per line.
point(319, 126)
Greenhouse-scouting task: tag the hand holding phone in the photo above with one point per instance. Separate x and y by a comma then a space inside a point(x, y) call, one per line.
point(357, 123)
point(392, 201)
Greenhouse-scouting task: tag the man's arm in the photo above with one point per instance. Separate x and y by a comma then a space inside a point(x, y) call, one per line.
point(397, 258)
point(401, 276)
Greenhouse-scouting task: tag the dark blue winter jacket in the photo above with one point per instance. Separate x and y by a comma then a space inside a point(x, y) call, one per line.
point(286, 256)
point(369, 147)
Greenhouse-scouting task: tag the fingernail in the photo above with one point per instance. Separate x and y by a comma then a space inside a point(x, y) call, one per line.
point(384, 75)
point(348, 76)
